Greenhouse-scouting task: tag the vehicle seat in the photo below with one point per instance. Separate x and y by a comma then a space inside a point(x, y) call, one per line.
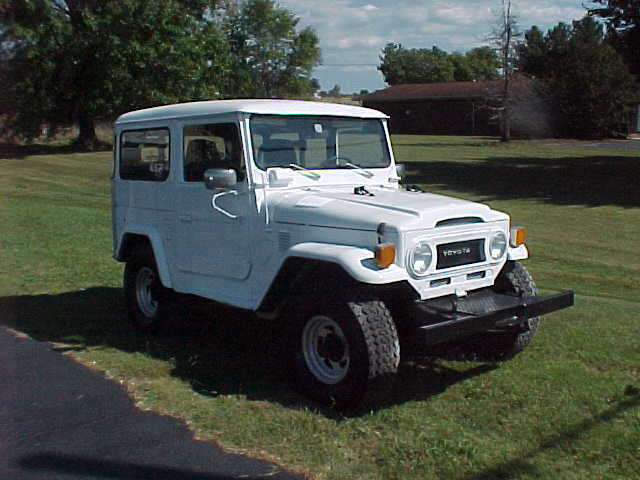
point(201, 154)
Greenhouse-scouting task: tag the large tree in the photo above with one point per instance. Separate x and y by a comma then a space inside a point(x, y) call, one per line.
point(532, 53)
point(77, 61)
point(422, 65)
point(270, 57)
point(623, 20)
point(585, 79)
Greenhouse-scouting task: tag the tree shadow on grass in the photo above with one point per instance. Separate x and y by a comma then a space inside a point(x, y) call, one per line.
point(12, 150)
point(473, 142)
point(218, 350)
point(589, 181)
point(523, 464)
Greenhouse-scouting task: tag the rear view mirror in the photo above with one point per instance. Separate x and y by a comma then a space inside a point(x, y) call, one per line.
point(401, 170)
point(215, 178)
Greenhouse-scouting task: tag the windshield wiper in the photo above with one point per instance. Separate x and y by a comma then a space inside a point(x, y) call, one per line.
point(301, 169)
point(360, 170)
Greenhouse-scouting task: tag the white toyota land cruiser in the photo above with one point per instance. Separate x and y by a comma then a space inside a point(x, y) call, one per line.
point(294, 210)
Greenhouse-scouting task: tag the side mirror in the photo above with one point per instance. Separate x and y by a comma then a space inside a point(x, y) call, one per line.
point(215, 178)
point(401, 170)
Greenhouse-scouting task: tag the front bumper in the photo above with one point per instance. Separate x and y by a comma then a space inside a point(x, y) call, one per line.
point(450, 318)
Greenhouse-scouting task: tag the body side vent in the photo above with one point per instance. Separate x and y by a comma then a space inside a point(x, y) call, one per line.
point(284, 241)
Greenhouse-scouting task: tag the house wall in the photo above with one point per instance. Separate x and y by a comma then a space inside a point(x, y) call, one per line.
point(437, 117)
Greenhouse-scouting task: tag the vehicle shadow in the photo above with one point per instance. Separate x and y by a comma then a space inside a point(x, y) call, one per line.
point(590, 181)
point(218, 350)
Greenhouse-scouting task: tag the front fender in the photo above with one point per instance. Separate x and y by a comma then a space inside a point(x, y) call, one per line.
point(358, 262)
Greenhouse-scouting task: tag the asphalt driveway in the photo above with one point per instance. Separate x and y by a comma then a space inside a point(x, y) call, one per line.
point(59, 420)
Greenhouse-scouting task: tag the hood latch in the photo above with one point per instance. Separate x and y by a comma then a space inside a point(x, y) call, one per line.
point(362, 191)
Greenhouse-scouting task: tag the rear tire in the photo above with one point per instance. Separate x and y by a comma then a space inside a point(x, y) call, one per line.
point(148, 301)
point(344, 354)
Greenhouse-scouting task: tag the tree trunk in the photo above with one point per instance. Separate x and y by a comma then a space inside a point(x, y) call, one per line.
point(506, 110)
point(506, 39)
point(87, 139)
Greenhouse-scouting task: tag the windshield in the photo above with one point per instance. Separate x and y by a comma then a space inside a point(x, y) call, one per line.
point(318, 142)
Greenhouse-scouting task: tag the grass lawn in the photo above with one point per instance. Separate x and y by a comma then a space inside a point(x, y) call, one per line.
point(568, 407)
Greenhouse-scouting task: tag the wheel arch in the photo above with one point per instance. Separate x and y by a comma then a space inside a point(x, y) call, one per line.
point(136, 239)
point(291, 278)
point(300, 275)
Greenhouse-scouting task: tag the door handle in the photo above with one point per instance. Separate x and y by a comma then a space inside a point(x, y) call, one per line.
point(185, 218)
point(217, 208)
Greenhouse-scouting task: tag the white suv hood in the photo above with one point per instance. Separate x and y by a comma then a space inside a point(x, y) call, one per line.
point(399, 209)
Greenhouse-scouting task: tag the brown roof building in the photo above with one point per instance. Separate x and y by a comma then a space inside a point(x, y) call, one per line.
point(459, 108)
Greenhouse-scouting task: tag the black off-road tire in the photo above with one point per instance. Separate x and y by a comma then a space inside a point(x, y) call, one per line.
point(148, 301)
point(343, 353)
point(501, 346)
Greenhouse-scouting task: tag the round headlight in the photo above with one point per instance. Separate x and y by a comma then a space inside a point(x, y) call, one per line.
point(498, 245)
point(420, 258)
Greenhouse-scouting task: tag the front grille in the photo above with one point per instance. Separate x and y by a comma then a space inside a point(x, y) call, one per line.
point(439, 283)
point(460, 253)
point(476, 275)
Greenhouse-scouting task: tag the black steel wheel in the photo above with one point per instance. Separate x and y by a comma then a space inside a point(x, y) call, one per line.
point(343, 353)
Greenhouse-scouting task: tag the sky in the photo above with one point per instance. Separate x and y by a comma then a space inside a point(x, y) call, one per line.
point(353, 32)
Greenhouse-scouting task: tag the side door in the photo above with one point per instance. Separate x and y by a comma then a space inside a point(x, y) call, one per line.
point(212, 226)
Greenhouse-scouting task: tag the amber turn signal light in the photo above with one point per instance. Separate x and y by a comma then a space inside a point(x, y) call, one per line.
point(518, 236)
point(385, 254)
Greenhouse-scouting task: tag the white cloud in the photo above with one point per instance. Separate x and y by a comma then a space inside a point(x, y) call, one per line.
point(366, 41)
point(353, 32)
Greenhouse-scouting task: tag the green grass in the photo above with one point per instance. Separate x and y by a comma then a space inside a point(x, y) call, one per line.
point(568, 407)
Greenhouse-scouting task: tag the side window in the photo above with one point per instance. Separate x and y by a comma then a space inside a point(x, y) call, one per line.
point(212, 146)
point(144, 155)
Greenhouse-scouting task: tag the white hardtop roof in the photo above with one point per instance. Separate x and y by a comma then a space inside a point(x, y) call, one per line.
point(264, 107)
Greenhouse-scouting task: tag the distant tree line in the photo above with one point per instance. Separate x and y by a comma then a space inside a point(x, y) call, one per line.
point(78, 61)
point(422, 65)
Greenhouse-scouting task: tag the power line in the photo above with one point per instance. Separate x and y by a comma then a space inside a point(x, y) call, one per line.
point(349, 65)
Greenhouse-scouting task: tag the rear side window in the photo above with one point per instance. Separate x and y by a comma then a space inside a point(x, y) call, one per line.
point(144, 155)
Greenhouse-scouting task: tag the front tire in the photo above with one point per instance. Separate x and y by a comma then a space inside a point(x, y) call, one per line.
point(344, 354)
point(504, 345)
point(147, 299)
